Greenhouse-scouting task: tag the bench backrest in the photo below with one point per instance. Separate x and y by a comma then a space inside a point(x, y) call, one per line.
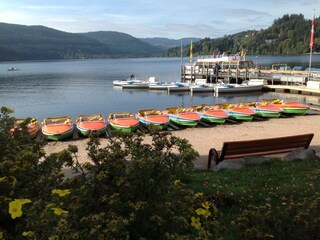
point(240, 149)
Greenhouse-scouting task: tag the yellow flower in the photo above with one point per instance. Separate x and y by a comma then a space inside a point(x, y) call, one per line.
point(199, 194)
point(61, 192)
point(205, 212)
point(195, 222)
point(15, 207)
point(59, 211)
point(27, 234)
point(205, 205)
point(176, 182)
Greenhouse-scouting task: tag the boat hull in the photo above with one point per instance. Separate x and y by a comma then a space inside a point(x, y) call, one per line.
point(236, 88)
point(297, 111)
point(57, 128)
point(57, 136)
point(123, 121)
point(91, 123)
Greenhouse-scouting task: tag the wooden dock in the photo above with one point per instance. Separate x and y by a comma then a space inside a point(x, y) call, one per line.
point(303, 90)
point(272, 76)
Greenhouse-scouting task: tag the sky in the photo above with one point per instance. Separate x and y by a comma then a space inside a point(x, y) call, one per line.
point(172, 19)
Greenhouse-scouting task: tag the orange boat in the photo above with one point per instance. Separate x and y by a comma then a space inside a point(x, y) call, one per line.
point(182, 116)
point(91, 123)
point(237, 111)
point(123, 121)
point(211, 114)
point(265, 109)
point(291, 107)
point(153, 117)
point(57, 128)
point(33, 126)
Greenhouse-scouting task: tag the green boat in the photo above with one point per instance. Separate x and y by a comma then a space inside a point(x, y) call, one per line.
point(123, 121)
point(57, 128)
point(183, 116)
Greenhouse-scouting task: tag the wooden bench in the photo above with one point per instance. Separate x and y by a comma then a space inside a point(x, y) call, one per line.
point(259, 147)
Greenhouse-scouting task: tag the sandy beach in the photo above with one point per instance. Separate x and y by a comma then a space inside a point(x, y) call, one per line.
point(202, 139)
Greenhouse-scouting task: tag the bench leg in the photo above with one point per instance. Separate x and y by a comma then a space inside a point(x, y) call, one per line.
point(213, 155)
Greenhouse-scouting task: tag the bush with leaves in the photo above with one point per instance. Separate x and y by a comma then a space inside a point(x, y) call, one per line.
point(129, 189)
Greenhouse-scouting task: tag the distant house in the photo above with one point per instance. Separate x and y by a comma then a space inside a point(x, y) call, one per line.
point(269, 41)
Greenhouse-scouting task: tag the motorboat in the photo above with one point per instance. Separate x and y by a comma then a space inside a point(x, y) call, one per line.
point(57, 128)
point(123, 121)
point(182, 116)
point(236, 88)
point(91, 123)
point(178, 87)
point(204, 87)
point(153, 117)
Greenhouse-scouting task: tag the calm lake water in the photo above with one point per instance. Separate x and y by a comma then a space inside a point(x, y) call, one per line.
point(51, 88)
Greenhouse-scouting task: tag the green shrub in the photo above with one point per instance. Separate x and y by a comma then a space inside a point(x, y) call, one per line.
point(129, 189)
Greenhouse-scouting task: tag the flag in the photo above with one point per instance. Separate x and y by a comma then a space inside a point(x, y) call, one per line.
point(191, 52)
point(312, 33)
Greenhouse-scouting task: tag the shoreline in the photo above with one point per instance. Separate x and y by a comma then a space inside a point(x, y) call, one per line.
point(202, 139)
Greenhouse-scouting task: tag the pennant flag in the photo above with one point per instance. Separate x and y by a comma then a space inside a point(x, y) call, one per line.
point(191, 52)
point(312, 33)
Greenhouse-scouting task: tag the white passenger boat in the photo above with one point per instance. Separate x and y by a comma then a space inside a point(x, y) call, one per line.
point(235, 88)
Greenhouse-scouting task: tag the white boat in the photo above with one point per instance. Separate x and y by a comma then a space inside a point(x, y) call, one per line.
point(120, 83)
point(160, 85)
point(179, 87)
point(202, 88)
point(235, 88)
point(138, 84)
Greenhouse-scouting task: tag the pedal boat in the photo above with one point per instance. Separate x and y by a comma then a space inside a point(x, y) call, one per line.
point(123, 121)
point(57, 128)
point(33, 126)
point(91, 123)
point(264, 109)
point(211, 114)
point(153, 117)
point(182, 116)
point(239, 112)
point(291, 107)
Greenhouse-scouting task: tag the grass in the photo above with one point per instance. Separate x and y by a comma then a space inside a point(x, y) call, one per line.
point(285, 191)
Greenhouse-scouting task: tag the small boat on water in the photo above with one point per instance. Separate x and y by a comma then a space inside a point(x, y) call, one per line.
point(91, 123)
point(57, 128)
point(211, 114)
point(265, 109)
point(239, 112)
point(123, 121)
point(182, 116)
point(13, 69)
point(179, 87)
point(33, 126)
point(160, 85)
point(153, 117)
point(235, 88)
point(290, 107)
point(201, 88)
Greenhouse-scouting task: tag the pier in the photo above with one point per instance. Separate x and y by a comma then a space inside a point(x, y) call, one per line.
point(206, 74)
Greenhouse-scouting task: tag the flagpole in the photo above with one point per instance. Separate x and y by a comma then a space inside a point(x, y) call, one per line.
point(311, 42)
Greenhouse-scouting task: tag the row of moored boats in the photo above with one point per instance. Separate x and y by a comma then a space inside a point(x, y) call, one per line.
point(152, 84)
point(57, 128)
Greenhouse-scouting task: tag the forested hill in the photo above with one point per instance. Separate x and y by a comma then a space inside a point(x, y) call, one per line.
point(19, 42)
point(287, 35)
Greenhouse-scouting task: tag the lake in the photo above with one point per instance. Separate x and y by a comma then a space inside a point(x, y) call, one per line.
point(75, 87)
